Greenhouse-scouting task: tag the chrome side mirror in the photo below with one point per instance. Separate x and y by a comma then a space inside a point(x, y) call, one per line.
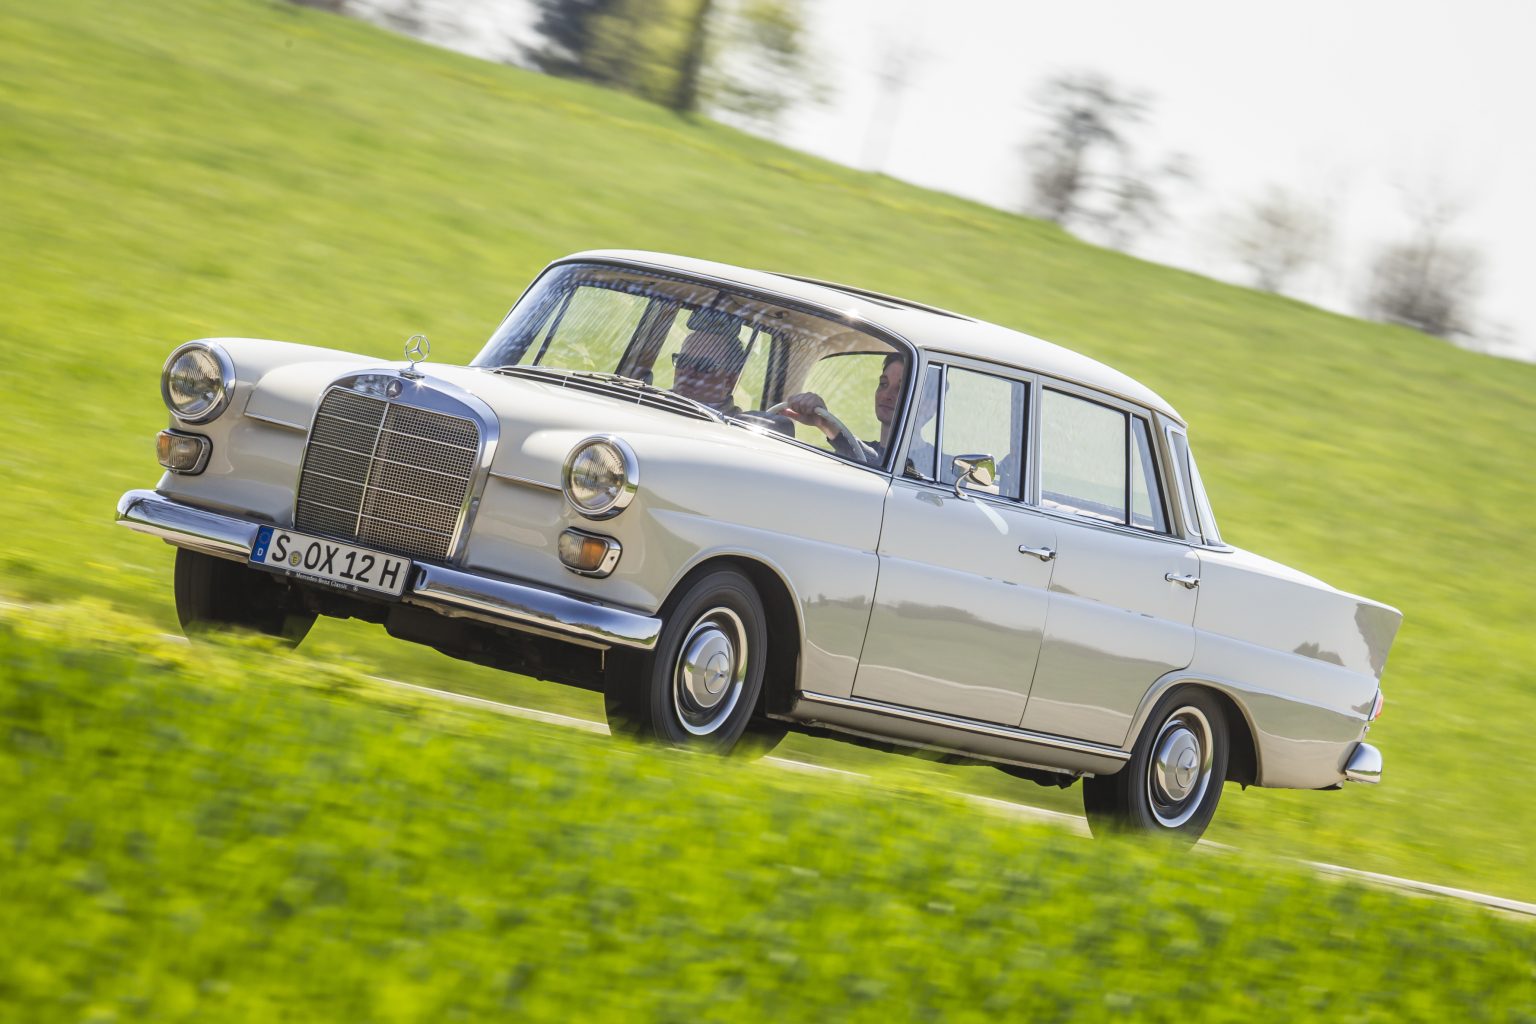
point(973, 471)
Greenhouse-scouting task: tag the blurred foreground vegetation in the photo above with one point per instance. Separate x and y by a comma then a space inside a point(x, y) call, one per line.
point(236, 834)
point(183, 168)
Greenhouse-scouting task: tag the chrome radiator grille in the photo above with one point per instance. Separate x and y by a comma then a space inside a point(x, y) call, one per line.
point(388, 476)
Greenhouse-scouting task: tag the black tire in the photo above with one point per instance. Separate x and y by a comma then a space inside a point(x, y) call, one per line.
point(214, 593)
point(1173, 781)
point(700, 687)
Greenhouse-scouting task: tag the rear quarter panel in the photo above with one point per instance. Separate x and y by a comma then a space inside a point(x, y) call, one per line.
point(1302, 660)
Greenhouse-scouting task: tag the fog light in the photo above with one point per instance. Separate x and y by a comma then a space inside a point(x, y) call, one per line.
point(186, 454)
point(588, 553)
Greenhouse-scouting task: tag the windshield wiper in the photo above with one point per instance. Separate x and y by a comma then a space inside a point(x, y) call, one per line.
point(635, 384)
point(638, 388)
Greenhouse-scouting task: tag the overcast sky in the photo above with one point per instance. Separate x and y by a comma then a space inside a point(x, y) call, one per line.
point(1355, 104)
point(1349, 102)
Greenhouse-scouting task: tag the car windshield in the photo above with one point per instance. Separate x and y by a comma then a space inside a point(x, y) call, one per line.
point(802, 375)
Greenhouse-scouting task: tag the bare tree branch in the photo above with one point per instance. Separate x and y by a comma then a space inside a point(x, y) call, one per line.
point(1276, 236)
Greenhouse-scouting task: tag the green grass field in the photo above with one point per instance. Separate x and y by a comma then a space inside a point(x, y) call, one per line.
point(223, 834)
point(183, 168)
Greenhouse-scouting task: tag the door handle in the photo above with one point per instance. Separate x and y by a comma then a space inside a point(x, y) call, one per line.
point(1186, 581)
point(1044, 554)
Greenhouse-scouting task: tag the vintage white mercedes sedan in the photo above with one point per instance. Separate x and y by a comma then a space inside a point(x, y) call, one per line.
point(740, 503)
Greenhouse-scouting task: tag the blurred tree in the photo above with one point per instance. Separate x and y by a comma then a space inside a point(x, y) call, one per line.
point(1428, 282)
point(747, 57)
point(637, 46)
point(760, 61)
point(1135, 200)
point(685, 97)
point(1087, 118)
point(1277, 235)
point(567, 30)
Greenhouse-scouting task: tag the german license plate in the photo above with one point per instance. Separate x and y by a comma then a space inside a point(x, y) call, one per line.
point(330, 562)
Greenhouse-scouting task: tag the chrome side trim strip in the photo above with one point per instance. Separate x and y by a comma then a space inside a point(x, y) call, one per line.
point(448, 591)
point(1364, 765)
point(522, 481)
point(209, 532)
point(965, 725)
point(275, 422)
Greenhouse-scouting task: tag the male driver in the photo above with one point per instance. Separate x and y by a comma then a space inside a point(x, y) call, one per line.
point(706, 367)
point(802, 408)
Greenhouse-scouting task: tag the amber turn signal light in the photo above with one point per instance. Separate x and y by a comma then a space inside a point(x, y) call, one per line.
point(186, 454)
point(589, 554)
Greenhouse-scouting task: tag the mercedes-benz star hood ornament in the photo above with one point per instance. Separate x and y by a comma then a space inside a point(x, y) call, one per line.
point(417, 348)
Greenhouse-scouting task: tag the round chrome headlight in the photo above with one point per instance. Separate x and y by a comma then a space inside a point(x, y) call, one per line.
point(197, 381)
point(600, 477)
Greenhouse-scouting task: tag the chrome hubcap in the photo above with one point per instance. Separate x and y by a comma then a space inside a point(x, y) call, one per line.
point(1180, 772)
point(711, 668)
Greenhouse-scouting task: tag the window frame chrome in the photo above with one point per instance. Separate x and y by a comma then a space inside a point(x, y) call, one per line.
point(1193, 532)
point(1029, 499)
point(1133, 410)
point(943, 361)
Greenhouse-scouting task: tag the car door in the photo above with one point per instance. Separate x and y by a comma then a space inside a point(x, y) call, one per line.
point(1123, 592)
point(960, 604)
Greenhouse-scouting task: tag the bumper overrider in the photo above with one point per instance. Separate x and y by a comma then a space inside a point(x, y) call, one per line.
point(1364, 765)
point(448, 591)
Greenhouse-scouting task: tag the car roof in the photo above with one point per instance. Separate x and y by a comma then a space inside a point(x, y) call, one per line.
point(927, 327)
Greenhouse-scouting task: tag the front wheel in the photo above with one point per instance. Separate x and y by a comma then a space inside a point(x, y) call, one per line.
point(213, 593)
point(700, 686)
point(1173, 781)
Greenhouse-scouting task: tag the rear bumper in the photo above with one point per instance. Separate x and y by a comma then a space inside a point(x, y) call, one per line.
point(1364, 765)
point(449, 591)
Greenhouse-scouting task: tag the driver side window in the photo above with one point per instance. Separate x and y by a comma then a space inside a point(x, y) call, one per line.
point(984, 415)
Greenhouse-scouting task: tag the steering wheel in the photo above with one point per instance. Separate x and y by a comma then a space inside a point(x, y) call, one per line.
point(837, 425)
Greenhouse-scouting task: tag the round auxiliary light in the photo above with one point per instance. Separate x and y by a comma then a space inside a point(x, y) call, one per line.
point(197, 381)
point(600, 476)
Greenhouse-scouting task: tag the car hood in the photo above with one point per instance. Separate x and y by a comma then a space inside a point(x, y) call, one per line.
point(539, 421)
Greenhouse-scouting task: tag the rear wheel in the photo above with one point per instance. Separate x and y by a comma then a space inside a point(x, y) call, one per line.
point(700, 686)
point(214, 593)
point(1173, 781)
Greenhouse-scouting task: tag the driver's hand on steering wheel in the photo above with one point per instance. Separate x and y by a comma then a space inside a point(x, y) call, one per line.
point(802, 408)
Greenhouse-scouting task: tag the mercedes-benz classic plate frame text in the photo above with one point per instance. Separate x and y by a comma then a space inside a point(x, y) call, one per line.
point(741, 503)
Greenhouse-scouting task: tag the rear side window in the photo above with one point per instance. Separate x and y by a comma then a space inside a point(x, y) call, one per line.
point(1197, 507)
point(1082, 457)
point(1098, 462)
point(1146, 497)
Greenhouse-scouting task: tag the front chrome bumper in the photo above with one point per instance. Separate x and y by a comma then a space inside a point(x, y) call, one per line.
point(451, 592)
point(1364, 765)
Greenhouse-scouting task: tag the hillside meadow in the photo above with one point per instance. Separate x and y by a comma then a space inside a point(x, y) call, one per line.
point(184, 168)
point(230, 833)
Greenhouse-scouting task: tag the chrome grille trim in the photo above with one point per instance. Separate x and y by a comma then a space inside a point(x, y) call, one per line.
point(393, 475)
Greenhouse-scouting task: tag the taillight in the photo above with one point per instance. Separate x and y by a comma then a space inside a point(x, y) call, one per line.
point(1376, 709)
